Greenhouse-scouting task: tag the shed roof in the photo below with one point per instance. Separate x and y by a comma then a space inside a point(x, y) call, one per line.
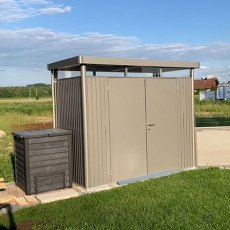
point(108, 64)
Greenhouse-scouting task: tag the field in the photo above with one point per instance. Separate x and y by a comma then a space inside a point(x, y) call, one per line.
point(20, 115)
point(198, 199)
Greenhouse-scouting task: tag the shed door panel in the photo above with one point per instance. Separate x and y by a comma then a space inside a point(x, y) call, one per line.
point(128, 130)
point(161, 113)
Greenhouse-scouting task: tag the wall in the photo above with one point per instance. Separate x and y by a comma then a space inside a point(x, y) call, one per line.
point(97, 107)
point(106, 101)
point(184, 121)
point(69, 116)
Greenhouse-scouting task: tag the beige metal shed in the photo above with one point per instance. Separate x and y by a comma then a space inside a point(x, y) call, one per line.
point(125, 127)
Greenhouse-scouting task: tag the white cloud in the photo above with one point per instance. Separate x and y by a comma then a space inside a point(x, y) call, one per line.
point(16, 10)
point(35, 1)
point(55, 10)
point(204, 67)
point(29, 49)
point(39, 41)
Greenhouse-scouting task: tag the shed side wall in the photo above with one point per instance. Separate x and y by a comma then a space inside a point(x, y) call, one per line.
point(97, 101)
point(69, 116)
point(185, 129)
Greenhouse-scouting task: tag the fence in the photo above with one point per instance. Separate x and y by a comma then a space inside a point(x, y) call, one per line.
point(202, 121)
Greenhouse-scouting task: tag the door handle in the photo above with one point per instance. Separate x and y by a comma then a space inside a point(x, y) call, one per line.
point(149, 125)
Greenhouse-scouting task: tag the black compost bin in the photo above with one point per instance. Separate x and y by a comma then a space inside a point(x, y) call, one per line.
point(43, 160)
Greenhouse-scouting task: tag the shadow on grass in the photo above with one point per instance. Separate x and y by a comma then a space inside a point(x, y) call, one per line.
point(8, 208)
point(24, 225)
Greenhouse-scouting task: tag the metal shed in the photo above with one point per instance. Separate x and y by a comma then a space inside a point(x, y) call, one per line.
point(125, 127)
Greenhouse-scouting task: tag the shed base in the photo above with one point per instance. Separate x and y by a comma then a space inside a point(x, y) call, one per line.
point(152, 176)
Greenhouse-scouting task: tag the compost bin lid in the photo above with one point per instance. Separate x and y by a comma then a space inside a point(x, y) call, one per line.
point(41, 133)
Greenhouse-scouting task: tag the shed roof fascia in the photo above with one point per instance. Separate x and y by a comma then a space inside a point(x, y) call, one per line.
point(108, 61)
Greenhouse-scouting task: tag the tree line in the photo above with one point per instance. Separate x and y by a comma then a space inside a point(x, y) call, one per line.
point(35, 91)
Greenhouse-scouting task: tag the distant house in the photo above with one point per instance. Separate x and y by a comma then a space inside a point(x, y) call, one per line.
point(206, 84)
point(206, 88)
point(207, 95)
point(223, 91)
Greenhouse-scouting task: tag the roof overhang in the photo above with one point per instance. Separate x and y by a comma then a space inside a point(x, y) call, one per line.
point(105, 64)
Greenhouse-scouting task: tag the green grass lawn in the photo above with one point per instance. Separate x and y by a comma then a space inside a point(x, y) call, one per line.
point(15, 116)
point(197, 199)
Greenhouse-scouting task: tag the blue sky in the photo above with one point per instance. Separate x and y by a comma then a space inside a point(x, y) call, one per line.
point(36, 32)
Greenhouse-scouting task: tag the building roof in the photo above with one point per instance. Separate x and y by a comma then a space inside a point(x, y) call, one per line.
point(205, 84)
point(105, 64)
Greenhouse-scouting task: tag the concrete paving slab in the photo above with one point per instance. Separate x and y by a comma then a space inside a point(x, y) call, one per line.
point(11, 188)
point(56, 195)
point(2, 186)
point(22, 201)
point(102, 188)
point(31, 199)
point(79, 189)
point(7, 198)
point(213, 146)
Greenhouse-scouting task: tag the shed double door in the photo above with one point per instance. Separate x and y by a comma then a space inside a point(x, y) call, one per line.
point(143, 126)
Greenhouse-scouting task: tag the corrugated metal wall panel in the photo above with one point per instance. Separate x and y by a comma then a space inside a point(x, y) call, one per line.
point(97, 100)
point(185, 129)
point(69, 116)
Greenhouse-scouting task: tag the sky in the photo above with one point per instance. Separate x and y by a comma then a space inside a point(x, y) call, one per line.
point(34, 33)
